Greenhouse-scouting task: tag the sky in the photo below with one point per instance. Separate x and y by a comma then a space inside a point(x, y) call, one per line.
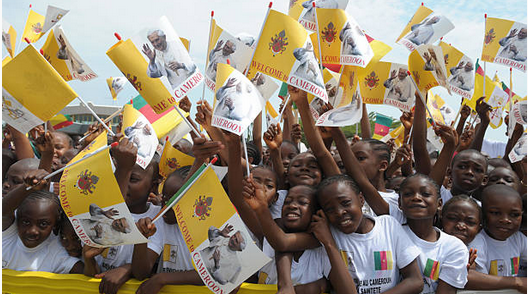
point(90, 28)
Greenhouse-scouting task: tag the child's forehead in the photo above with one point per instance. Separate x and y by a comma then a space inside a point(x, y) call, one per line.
point(462, 206)
point(305, 156)
point(262, 173)
point(504, 199)
point(473, 157)
point(502, 171)
point(301, 190)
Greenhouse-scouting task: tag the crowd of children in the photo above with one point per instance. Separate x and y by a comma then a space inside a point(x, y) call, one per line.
point(357, 216)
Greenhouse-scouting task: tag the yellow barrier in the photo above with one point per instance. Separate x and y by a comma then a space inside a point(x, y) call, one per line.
point(44, 282)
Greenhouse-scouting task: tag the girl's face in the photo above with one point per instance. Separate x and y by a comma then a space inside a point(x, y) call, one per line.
point(342, 207)
point(368, 160)
point(170, 187)
point(505, 176)
point(462, 221)
point(419, 199)
point(266, 178)
point(35, 222)
point(503, 216)
point(288, 152)
point(304, 170)
point(69, 239)
point(298, 209)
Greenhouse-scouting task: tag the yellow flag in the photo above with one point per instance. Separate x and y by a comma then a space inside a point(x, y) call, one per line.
point(342, 41)
point(331, 79)
point(140, 132)
point(285, 52)
point(460, 71)
point(186, 43)
point(349, 83)
point(49, 50)
point(100, 141)
point(505, 43)
point(172, 159)
point(33, 92)
point(304, 12)
point(427, 67)
point(115, 85)
point(434, 102)
point(9, 37)
point(271, 110)
point(33, 28)
point(495, 97)
point(6, 60)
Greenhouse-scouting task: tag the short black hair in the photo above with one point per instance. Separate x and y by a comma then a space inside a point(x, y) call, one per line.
point(499, 190)
point(381, 149)
point(295, 147)
point(70, 140)
point(345, 179)
point(253, 152)
point(42, 195)
point(470, 151)
point(460, 198)
point(426, 177)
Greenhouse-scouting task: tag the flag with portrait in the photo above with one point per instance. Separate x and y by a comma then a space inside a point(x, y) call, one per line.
point(304, 10)
point(460, 71)
point(427, 67)
point(505, 43)
point(9, 37)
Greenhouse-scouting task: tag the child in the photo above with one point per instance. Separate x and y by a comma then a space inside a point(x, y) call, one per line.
point(27, 239)
point(462, 218)
point(468, 173)
point(443, 257)
point(377, 250)
point(501, 248)
point(17, 171)
point(68, 238)
point(505, 176)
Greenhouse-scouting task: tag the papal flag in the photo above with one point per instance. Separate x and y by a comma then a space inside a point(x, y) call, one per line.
point(427, 67)
point(271, 114)
point(53, 16)
point(34, 27)
point(139, 131)
point(32, 91)
point(397, 134)
point(99, 142)
point(460, 71)
point(92, 200)
point(172, 159)
point(223, 46)
point(425, 27)
point(341, 39)
point(285, 52)
point(304, 11)
point(115, 85)
point(210, 225)
point(505, 43)
point(162, 123)
point(237, 101)
point(334, 91)
point(9, 37)
point(61, 55)
point(432, 103)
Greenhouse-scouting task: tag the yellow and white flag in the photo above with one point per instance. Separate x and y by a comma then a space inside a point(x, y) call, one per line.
point(425, 27)
point(172, 159)
point(223, 46)
point(61, 55)
point(285, 52)
point(9, 37)
point(115, 85)
point(211, 226)
point(387, 83)
point(33, 29)
point(505, 43)
point(496, 97)
point(271, 114)
point(397, 134)
point(460, 71)
point(304, 12)
point(427, 67)
point(32, 91)
point(343, 116)
point(237, 101)
point(341, 39)
point(92, 200)
point(53, 16)
point(335, 93)
point(139, 131)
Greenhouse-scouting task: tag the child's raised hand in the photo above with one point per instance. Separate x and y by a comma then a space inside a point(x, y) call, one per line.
point(273, 136)
point(319, 227)
point(466, 138)
point(204, 113)
point(472, 257)
point(403, 154)
point(155, 199)
point(44, 142)
point(35, 179)
point(257, 199)
point(185, 104)
point(296, 94)
point(203, 149)
point(407, 119)
point(296, 133)
point(483, 109)
point(146, 226)
point(125, 154)
point(465, 112)
point(91, 252)
point(447, 134)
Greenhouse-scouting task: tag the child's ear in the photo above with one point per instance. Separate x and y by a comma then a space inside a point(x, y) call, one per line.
point(383, 165)
point(361, 199)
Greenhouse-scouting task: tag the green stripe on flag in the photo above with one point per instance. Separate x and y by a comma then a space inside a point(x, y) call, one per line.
point(377, 260)
point(428, 270)
point(283, 92)
point(191, 179)
point(139, 102)
point(383, 120)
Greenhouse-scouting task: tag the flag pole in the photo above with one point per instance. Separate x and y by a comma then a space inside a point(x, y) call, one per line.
point(458, 113)
point(284, 107)
point(318, 39)
point(96, 117)
point(186, 187)
point(207, 52)
point(194, 130)
point(421, 97)
point(105, 121)
point(258, 40)
point(75, 162)
point(510, 126)
point(246, 155)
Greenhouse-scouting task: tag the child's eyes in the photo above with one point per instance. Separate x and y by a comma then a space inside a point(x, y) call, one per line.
point(25, 222)
point(346, 203)
point(44, 224)
point(515, 214)
point(270, 187)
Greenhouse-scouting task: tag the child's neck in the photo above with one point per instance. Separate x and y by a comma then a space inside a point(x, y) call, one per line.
point(139, 209)
point(423, 228)
point(456, 191)
point(366, 225)
point(379, 182)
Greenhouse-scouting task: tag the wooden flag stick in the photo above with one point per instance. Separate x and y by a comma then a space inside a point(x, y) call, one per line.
point(207, 52)
point(318, 39)
point(193, 129)
point(106, 120)
point(74, 163)
point(246, 155)
point(258, 39)
point(421, 97)
point(96, 116)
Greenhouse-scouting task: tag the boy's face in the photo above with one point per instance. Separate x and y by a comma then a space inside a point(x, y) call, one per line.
point(60, 144)
point(139, 187)
point(418, 199)
point(462, 221)
point(503, 215)
point(342, 206)
point(469, 172)
point(288, 152)
point(304, 170)
point(503, 176)
point(170, 187)
point(266, 178)
point(368, 159)
point(298, 208)
point(35, 222)
point(15, 178)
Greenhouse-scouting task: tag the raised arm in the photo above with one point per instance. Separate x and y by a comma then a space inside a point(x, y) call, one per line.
point(204, 113)
point(365, 124)
point(257, 133)
point(22, 145)
point(450, 138)
point(314, 138)
point(483, 110)
point(421, 156)
point(125, 157)
point(273, 139)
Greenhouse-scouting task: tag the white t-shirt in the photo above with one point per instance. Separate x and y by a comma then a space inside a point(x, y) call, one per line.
point(397, 213)
point(117, 256)
point(48, 256)
point(309, 267)
point(446, 195)
point(175, 256)
point(500, 258)
point(276, 208)
point(391, 197)
point(374, 259)
point(445, 260)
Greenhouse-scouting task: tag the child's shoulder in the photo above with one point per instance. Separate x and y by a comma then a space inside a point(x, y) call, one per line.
point(446, 240)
